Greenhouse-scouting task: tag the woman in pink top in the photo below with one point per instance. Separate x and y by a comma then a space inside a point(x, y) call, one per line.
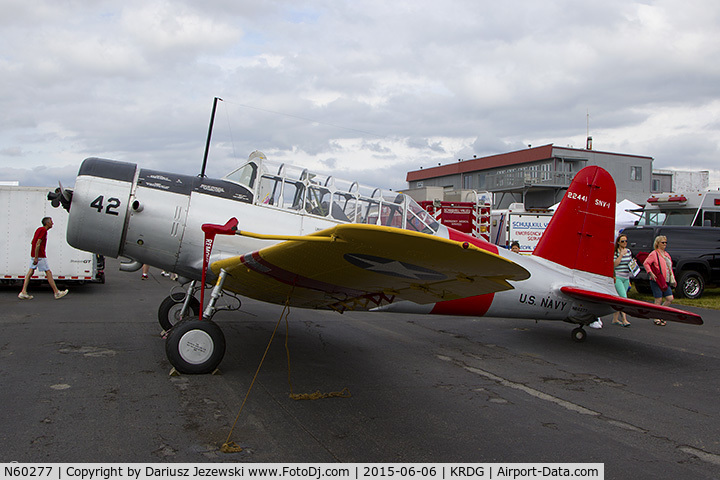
point(661, 259)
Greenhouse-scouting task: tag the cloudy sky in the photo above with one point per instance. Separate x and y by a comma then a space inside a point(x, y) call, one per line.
point(365, 89)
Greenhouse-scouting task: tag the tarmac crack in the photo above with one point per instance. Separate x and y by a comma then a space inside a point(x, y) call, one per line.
point(88, 351)
point(524, 388)
point(701, 454)
point(690, 450)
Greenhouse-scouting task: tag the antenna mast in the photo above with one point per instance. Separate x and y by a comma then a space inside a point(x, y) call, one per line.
point(588, 145)
point(210, 129)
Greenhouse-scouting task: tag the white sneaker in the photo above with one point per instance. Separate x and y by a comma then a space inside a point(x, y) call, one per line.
point(24, 296)
point(61, 294)
point(596, 324)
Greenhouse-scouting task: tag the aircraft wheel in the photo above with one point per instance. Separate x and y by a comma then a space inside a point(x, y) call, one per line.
point(169, 310)
point(579, 335)
point(195, 346)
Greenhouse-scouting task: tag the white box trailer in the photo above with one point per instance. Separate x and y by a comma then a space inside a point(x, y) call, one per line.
point(21, 212)
point(518, 225)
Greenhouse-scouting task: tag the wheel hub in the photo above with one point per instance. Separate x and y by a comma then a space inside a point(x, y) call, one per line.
point(196, 347)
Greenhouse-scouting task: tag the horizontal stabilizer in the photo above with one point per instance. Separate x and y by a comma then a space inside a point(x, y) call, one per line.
point(635, 308)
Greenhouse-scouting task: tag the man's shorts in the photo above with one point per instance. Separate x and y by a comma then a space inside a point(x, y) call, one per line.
point(42, 264)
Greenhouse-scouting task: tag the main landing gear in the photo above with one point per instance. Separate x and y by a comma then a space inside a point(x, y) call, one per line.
point(178, 305)
point(192, 345)
point(195, 346)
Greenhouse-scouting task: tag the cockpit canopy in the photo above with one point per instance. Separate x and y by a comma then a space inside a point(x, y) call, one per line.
point(288, 187)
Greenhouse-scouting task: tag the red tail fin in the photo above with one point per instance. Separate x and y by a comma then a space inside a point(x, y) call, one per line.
point(580, 234)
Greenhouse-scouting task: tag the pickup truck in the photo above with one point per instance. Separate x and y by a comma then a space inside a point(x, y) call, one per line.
point(695, 253)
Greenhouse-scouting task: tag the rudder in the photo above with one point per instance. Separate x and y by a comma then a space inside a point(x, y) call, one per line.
point(580, 234)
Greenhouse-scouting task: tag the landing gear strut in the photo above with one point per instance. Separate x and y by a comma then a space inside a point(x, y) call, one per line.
point(197, 346)
point(178, 305)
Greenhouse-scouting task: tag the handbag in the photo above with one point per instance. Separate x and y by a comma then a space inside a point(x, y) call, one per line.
point(657, 271)
point(634, 267)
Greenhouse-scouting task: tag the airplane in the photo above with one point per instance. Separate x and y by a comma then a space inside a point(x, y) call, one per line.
point(282, 234)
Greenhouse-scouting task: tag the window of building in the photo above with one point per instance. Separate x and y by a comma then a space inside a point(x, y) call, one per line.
point(655, 185)
point(636, 173)
point(546, 169)
point(467, 182)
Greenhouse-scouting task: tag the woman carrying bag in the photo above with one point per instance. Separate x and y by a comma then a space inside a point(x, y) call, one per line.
point(659, 267)
point(623, 271)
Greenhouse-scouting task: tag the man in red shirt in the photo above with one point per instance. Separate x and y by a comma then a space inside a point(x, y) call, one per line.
point(38, 261)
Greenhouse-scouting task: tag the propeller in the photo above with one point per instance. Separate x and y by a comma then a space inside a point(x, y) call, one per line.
point(61, 196)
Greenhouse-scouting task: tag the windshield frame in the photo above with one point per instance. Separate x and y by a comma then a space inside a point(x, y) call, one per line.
point(288, 187)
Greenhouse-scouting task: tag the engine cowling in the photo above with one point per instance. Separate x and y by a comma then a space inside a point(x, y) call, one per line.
point(99, 208)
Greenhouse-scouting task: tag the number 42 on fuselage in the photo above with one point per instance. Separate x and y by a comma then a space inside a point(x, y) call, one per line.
point(282, 234)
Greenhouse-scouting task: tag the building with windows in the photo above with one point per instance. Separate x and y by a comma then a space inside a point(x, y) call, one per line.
point(664, 181)
point(537, 176)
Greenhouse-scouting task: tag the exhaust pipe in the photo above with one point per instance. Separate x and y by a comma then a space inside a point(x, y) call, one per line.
point(131, 266)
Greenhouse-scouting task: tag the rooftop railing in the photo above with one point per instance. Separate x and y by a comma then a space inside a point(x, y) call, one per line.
point(528, 178)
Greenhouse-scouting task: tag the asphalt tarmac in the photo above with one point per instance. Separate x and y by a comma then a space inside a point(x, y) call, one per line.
point(85, 379)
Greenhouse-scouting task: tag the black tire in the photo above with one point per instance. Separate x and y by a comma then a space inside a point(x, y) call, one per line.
point(690, 285)
point(169, 310)
point(195, 347)
point(578, 334)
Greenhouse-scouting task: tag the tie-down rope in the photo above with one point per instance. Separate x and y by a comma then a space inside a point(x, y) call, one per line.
point(232, 447)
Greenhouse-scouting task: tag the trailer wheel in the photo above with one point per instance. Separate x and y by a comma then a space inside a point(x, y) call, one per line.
point(195, 347)
point(169, 310)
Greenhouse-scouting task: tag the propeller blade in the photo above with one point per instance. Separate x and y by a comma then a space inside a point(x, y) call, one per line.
point(61, 196)
point(54, 198)
point(67, 194)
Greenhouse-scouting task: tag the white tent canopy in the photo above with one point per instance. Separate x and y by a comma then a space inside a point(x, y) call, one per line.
point(623, 218)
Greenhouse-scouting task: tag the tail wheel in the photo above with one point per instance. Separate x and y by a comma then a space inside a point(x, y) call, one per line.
point(170, 309)
point(579, 335)
point(195, 346)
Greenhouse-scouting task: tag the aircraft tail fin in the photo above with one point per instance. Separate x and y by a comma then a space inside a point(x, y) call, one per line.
point(580, 234)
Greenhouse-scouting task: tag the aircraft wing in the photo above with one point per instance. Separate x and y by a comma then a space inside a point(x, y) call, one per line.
point(635, 308)
point(357, 266)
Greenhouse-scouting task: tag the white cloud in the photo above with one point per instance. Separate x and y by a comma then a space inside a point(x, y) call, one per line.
point(370, 88)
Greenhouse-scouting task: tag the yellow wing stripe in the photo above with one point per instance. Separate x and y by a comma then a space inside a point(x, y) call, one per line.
point(362, 266)
point(295, 238)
